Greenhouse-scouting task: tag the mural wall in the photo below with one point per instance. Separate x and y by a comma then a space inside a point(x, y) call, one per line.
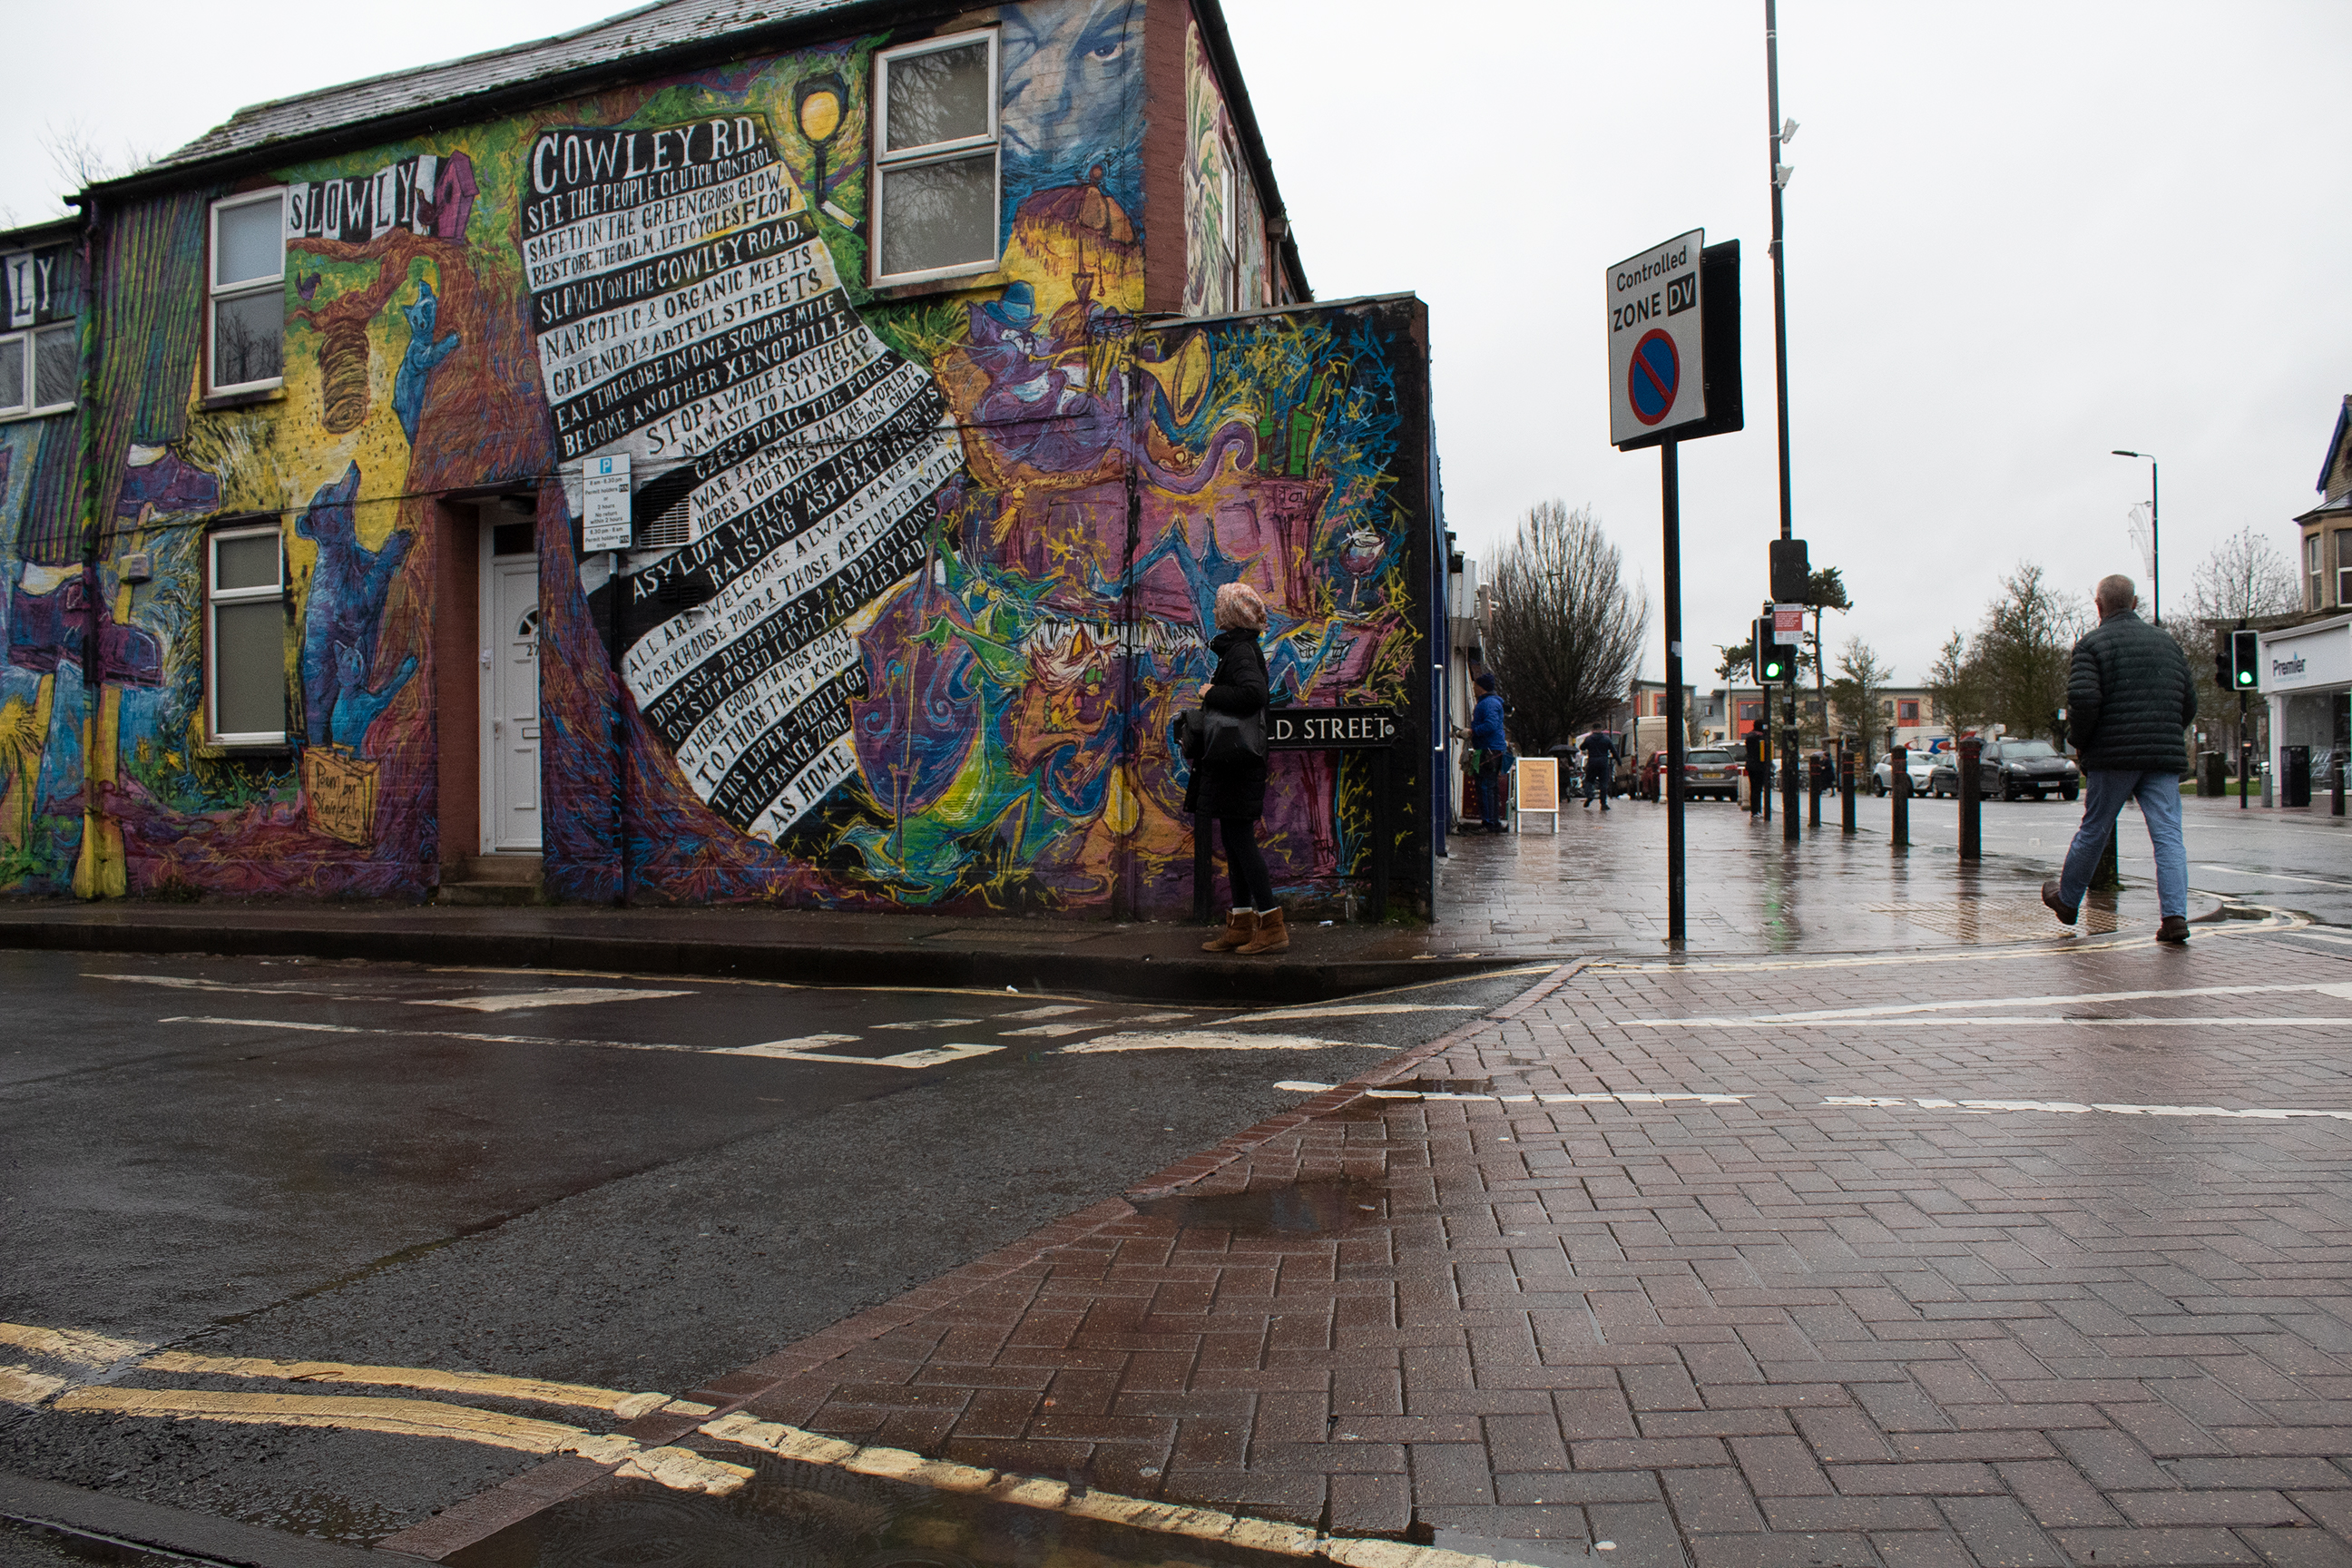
point(932, 573)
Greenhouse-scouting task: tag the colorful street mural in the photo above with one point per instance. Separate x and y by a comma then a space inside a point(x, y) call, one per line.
point(937, 568)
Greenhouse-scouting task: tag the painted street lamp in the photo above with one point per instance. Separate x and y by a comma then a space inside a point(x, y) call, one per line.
point(819, 105)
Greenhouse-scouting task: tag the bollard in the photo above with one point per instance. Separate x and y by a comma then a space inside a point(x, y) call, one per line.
point(2109, 877)
point(1791, 759)
point(1845, 788)
point(2336, 785)
point(1754, 745)
point(1971, 800)
point(1816, 770)
point(1899, 766)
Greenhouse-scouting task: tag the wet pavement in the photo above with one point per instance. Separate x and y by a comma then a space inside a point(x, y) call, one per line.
point(605, 1182)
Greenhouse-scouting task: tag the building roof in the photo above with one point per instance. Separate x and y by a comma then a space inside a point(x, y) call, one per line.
point(655, 30)
point(2336, 472)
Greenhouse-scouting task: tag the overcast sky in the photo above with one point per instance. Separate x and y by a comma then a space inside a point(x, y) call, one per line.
point(2019, 235)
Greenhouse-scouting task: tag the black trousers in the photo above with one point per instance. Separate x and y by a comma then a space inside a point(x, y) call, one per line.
point(1253, 889)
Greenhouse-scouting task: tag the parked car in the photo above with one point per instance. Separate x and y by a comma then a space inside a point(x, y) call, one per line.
point(1653, 768)
point(1919, 765)
point(2010, 769)
point(1712, 771)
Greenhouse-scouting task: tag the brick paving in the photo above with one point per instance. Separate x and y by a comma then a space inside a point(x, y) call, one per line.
point(1782, 1331)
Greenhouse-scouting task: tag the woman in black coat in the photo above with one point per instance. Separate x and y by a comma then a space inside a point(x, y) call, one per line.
point(1234, 792)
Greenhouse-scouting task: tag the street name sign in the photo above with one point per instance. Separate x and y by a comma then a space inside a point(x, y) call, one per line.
point(1329, 729)
point(604, 497)
point(1656, 340)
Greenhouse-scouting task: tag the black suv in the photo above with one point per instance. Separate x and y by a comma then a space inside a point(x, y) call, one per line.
point(2010, 769)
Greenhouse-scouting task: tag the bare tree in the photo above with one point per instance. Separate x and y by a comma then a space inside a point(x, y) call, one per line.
point(80, 163)
point(1862, 676)
point(2022, 654)
point(1567, 633)
point(2244, 582)
point(1955, 687)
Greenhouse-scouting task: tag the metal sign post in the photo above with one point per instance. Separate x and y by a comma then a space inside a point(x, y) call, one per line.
point(607, 525)
point(1673, 375)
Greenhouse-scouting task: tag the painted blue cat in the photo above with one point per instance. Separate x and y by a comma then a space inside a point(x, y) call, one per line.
point(423, 354)
point(348, 587)
point(357, 708)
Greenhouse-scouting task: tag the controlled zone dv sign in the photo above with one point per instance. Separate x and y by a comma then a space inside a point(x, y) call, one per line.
point(1656, 340)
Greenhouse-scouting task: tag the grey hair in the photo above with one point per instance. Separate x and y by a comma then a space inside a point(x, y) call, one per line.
point(2117, 591)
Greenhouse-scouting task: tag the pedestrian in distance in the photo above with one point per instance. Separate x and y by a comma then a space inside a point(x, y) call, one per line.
point(1600, 766)
point(2129, 696)
point(1234, 791)
point(1486, 738)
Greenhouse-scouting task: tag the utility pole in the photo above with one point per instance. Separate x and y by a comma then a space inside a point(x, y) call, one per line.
point(1780, 173)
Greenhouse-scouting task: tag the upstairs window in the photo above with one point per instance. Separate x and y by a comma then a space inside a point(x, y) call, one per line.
point(248, 292)
point(2311, 570)
point(38, 370)
point(935, 159)
point(245, 641)
point(2344, 568)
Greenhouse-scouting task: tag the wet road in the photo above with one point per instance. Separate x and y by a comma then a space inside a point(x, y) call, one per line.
point(624, 1186)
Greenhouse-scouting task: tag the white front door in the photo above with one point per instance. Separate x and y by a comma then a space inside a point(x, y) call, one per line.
point(510, 704)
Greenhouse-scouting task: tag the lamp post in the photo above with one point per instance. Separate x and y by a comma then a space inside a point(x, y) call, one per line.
point(2155, 542)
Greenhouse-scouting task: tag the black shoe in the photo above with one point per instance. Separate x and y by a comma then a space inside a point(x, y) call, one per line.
point(2065, 912)
point(2173, 929)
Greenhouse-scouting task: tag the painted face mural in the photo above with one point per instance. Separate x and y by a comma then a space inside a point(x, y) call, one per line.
point(922, 583)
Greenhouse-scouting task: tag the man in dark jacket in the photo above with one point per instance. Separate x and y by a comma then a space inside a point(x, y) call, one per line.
point(1493, 748)
point(2128, 698)
point(1600, 765)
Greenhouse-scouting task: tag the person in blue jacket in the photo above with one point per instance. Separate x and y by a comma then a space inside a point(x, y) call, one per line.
point(1488, 739)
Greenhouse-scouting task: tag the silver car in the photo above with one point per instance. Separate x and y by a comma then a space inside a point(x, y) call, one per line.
point(1917, 764)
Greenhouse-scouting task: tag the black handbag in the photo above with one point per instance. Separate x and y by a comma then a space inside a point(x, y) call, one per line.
point(1211, 737)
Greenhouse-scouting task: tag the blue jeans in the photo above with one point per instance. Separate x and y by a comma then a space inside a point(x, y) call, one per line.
point(2105, 790)
point(1490, 795)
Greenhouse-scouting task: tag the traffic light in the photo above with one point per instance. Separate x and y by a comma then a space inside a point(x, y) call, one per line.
point(2221, 663)
point(1775, 661)
point(2245, 659)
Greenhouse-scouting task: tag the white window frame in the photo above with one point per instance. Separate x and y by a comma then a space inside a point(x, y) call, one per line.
point(2343, 567)
point(886, 162)
point(214, 596)
point(28, 409)
point(215, 292)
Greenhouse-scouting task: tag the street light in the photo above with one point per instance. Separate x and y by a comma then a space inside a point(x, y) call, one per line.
point(2154, 542)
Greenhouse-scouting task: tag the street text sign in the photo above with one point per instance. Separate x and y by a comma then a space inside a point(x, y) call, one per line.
point(1655, 340)
point(1329, 729)
point(1789, 624)
point(604, 496)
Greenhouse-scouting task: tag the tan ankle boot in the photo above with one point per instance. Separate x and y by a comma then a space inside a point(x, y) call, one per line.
point(1240, 926)
point(1271, 936)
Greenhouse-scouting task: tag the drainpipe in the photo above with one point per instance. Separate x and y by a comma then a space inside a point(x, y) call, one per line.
point(97, 874)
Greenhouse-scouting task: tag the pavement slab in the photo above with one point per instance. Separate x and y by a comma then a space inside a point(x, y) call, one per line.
point(1997, 1261)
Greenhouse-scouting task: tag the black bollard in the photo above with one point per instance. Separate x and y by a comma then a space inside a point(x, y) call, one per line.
point(2336, 785)
point(1845, 788)
point(1971, 800)
point(2109, 877)
point(1898, 791)
point(1816, 780)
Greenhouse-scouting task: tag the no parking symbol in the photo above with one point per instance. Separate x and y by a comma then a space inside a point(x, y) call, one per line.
point(1653, 377)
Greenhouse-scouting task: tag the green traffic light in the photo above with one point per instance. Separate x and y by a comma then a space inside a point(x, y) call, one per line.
point(2245, 678)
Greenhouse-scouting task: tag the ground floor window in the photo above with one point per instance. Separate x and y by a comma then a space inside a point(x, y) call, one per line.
point(245, 643)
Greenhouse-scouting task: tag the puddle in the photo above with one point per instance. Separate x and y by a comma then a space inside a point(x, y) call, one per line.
point(1320, 1206)
point(792, 1515)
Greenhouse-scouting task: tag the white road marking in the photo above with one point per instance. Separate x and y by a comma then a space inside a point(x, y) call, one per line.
point(928, 1024)
point(1631, 1097)
point(1361, 1010)
point(2062, 944)
point(1205, 1041)
point(780, 1050)
point(2071, 1108)
point(1973, 1003)
point(2273, 876)
point(1042, 1012)
point(1050, 1031)
point(432, 1034)
point(929, 1057)
point(1157, 1017)
point(564, 997)
point(183, 983)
